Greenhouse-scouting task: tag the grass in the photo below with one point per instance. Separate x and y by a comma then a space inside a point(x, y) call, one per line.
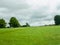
point(49, 35)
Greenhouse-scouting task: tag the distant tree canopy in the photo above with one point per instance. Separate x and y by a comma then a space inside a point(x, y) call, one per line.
point(14, 22)
point(27, 25)
point(2, 23)
point(57, 20)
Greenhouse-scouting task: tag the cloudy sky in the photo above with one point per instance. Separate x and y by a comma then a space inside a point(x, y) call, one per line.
point(35, 12)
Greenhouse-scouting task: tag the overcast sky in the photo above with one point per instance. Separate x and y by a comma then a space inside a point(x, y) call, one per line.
point(35, 12)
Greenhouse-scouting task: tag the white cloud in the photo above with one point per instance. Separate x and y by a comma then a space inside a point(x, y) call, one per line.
point(35, 12)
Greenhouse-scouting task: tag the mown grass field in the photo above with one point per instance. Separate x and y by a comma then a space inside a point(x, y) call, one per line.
point(49, 35)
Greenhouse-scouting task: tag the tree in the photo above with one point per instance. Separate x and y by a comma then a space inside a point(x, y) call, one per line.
point(2, 23)
point(14, 22)
point(57, 20)
point(27, 25)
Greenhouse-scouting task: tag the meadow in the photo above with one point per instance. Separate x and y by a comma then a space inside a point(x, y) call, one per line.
point(45, 35)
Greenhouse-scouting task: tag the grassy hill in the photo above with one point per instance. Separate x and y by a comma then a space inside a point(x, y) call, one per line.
point(49, 35)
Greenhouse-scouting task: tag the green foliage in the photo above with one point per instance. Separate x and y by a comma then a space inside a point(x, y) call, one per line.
point(27, 25)
point(2, 23)
point(14, 22)
point(57, 20)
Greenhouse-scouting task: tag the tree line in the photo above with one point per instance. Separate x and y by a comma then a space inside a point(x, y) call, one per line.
point(13, 23)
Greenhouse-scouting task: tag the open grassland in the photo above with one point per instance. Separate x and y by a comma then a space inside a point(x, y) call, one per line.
point(49, 35)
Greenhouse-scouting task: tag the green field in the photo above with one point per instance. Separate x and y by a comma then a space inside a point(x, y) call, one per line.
point(49, 35)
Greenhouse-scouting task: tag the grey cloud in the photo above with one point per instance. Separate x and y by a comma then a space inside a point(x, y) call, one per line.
point(24, 12)
point(14, 4)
